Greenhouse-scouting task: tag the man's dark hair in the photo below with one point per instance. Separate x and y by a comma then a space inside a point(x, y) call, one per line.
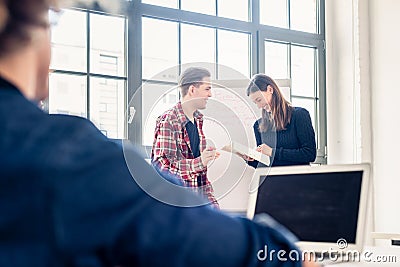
point(192, 76)
point(15, 18)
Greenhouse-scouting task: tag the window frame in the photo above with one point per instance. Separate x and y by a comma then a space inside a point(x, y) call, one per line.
point(90, 74)
point(258, 33)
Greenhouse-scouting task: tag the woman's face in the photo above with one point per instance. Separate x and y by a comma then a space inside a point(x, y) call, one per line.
point(262, 99)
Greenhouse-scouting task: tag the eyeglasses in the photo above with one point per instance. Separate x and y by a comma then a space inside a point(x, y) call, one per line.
point(107, 6)
point(54, 16)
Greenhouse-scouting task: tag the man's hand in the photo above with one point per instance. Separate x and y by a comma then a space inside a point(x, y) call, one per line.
point(228, 148)
point(209, 154)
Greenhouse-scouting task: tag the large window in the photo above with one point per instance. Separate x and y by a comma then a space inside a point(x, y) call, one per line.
point(293, 14)
point(299, 65)
point(89, 69)
point(233, 9)
point(284, 39)
point(95, 78)
point(184, 44)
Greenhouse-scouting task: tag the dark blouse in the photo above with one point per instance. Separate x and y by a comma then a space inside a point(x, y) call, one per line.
point(293, 146)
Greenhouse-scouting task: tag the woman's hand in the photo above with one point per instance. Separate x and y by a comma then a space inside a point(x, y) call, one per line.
point(228, 148)
point(245, 157)
point(265, 149)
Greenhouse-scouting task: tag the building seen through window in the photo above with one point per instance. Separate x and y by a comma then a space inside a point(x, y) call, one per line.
point(92, 53)
point(89, 64)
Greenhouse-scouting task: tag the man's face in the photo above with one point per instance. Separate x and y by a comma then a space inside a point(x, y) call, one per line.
point(201, 93)
point(43, 49)
point(40, 48)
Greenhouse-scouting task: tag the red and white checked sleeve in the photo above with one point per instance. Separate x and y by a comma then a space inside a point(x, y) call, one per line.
point(167, 154)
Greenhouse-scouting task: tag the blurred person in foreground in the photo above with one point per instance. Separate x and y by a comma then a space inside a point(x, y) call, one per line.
point(71, 197)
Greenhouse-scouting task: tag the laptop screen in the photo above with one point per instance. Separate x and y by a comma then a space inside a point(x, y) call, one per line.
point(316, 207)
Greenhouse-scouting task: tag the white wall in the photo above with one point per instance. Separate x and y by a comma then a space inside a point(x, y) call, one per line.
point(339, 81)
point(363, 60)
point(385, 70)
point(348, 91)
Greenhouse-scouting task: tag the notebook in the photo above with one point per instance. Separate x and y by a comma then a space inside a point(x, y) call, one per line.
point(324, 206)
point(235, 147)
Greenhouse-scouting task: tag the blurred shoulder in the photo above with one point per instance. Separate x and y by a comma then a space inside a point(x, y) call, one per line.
point(73, 127)
point(75, 138)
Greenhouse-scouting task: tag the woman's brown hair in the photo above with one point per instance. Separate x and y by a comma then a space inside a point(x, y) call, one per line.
point(281, 109)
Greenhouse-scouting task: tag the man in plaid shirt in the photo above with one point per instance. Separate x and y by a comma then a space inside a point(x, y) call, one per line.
point(179, 145)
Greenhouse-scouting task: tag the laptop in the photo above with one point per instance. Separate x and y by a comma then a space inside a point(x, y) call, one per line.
point(324, 206)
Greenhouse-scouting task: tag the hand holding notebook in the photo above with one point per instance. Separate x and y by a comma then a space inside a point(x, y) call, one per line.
point(241, 150)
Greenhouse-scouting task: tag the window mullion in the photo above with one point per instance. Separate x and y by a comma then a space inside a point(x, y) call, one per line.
point(88, 64)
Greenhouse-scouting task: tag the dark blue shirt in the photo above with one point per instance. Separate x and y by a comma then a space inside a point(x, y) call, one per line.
point(194, 138)
point(293, 146)
point(71, 197)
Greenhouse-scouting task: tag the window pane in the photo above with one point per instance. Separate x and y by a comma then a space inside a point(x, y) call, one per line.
point(203, 6)
point(156, 99)
point(165, 3)
point(233, 52)
point(276, 60)
point(234, 9)
point(107, 41)
point(303, 71)
point(274, 13)
point(198, 45)
point(308, 104)
point(107, 106)
point(285, 91)
point(68, 42)
point(160, 50)
point(303, 15)
point(67, 94)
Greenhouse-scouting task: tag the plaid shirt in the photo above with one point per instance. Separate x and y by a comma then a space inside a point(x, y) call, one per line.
point(172, 152)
